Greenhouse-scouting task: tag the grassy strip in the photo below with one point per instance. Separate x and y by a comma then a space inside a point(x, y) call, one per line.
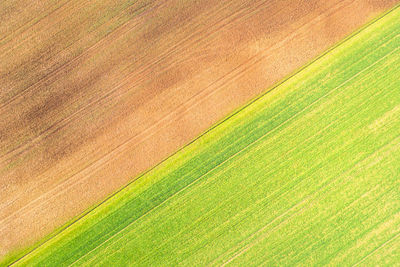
point(264, 166)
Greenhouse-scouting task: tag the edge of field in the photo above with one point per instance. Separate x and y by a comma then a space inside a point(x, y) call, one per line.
point(16, 255)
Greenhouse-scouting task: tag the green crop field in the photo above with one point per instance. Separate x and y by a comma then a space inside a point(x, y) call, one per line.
point(307, 174)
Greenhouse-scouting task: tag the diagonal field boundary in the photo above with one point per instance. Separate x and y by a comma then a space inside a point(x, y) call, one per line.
point(79, 217)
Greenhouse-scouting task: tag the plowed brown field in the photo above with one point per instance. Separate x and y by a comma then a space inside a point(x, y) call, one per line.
point(92, 94)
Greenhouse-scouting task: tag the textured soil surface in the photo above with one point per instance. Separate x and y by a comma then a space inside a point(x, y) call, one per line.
point(91, 95)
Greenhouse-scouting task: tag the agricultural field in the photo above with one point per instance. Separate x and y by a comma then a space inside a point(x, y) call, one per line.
point(307, 174)
point(94, 93)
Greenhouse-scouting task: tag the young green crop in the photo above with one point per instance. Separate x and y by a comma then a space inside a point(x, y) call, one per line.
point(307, 174)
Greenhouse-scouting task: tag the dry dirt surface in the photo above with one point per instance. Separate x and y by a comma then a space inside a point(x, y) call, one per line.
point(92, 93)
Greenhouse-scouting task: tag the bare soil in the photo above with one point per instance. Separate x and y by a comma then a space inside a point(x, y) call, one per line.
point(93, 95)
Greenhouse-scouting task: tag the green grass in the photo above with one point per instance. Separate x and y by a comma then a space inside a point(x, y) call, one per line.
point(308, 174)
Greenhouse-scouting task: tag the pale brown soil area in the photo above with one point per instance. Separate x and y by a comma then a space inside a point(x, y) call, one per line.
point(91, 95)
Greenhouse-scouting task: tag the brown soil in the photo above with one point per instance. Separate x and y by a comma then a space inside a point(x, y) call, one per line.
point(93, 95)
